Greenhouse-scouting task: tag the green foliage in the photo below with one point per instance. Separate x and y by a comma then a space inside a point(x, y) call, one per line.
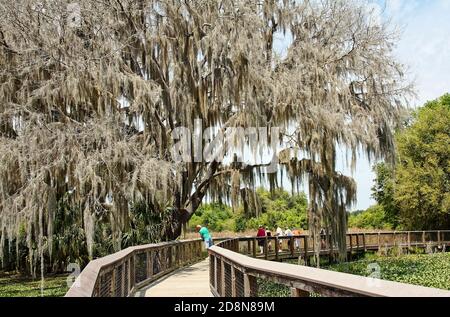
point(272, 290)
point(422, 190)
point(13, 286)
point(217, 217)
point(429, 270)
point(372, 218)
point(289, 219)
point(432, 270)
point(279, 208)
point(415, 194)
point(383, 193)
point(241, 223)
point(68, 244)
point(69, 239)
point(146, 226)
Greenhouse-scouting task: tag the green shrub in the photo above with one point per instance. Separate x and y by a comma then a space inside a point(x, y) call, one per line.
point(241, 223)
point(217, 217)
point(279, 208)
point(432, 270)
point(372, 218)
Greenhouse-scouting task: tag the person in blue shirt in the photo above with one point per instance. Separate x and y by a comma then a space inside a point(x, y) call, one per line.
point(205, 235)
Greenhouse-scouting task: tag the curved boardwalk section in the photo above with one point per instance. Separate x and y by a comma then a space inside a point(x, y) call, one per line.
point(192, 281)
point(233, 274)
point(128, 271)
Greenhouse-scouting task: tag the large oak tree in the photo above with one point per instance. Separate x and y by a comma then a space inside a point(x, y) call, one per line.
point(91, 92)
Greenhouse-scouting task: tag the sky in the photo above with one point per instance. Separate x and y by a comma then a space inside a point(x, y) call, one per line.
point(424, 46)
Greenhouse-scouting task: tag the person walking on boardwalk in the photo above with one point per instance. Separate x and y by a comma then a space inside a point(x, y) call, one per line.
point(205, 235)
point(261, 234)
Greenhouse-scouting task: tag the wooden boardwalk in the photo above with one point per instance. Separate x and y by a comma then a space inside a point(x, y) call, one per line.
point(166, 270)
point(192, 281)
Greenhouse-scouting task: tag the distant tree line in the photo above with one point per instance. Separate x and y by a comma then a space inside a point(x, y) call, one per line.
point(277, 208)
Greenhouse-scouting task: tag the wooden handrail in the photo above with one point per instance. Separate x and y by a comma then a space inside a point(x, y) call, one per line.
point(236, 275)
point(121, 273)
point(315, 280)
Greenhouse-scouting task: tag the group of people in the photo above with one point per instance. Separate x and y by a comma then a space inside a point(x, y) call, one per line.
point(264, 232)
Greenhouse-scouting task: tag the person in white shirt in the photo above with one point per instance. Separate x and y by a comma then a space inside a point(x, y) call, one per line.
point(279, 233)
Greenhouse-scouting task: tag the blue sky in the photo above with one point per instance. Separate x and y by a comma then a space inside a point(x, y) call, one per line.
point(425, 43)
point(425, 48)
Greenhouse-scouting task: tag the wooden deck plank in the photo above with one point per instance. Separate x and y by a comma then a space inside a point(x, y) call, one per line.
point(192, 281)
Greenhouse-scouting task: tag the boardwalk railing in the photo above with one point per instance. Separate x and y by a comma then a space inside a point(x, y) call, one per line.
point(236, 271)
point(280, 248)
point(122, 273)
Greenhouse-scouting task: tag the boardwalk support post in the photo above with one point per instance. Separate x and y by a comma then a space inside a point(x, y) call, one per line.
point(351, 247)
point(216, 282)
point(291, 246)
point(222, 278)
point(306, 250)
point(233, 282)
point(277, 257)
point(409, 241)
point(250, 286)
point(364, 242)
point(113, 283)
point(122, 278)
point(149, 269)
point(266, 248)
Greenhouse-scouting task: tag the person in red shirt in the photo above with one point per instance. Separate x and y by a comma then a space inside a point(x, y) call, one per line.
point(261, 234)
